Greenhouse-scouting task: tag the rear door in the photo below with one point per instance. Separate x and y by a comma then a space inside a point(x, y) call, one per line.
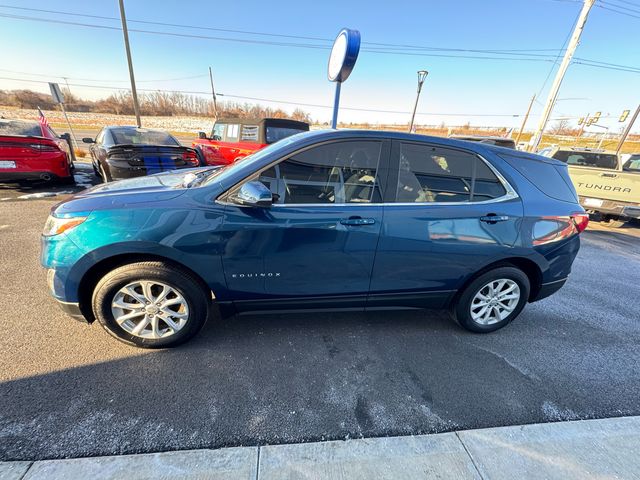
point(315, 246)
point(447, 213)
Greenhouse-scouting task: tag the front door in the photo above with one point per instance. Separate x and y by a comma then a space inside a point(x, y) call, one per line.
point(319, 237)
point(447, 214)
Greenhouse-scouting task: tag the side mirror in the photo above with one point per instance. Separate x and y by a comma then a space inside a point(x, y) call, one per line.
point(202, 135)
point(216, 138)
point(253, 194)
point(65, 136)
point(88, 140)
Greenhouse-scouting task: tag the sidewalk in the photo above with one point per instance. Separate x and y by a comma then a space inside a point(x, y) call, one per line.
point(607, 448)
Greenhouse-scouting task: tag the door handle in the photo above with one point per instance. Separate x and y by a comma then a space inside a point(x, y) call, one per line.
point(357, 221)
point(492, 218)
point(610, 175)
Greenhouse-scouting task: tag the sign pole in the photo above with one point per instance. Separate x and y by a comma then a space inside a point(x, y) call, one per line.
point(58, 97)
point(336, 104)
point(73, 134)
point(342, 59)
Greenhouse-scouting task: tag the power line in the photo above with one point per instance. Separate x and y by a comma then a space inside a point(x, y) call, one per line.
point(101, 79)
point(614, 3)
point(268, 34)
point(250, 41)
point(617, 11)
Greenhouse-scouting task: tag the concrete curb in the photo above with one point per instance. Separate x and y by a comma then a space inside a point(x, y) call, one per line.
point(570, 450)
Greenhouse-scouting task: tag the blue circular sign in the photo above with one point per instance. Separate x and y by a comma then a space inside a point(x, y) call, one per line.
point(343, 55)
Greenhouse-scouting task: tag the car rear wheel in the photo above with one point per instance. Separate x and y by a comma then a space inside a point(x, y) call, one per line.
point(615, 223)
point(492, 300)
point(150, 304)
point(103, 175)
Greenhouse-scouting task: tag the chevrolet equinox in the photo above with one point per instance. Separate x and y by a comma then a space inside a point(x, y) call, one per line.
point(324, 220)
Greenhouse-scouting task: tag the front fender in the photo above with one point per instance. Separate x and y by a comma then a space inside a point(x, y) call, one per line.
point(209, 272)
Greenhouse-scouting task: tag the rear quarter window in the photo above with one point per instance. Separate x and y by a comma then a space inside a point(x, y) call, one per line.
point(552, 180)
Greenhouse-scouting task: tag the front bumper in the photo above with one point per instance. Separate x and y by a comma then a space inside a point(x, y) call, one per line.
point(73, 310)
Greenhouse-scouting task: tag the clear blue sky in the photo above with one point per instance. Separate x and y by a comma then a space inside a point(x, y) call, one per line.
point(385, 81)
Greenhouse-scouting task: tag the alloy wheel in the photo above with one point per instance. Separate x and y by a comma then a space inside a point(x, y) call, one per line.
point(150, 309)
point(495, 301)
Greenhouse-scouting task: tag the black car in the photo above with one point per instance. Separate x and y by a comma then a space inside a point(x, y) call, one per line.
point(125, 152)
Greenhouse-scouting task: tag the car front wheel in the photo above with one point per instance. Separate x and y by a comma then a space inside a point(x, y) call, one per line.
point(492, 300)
point(150, 304)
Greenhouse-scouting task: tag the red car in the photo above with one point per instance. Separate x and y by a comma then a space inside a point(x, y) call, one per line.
point(29, 151)
point(235, 138)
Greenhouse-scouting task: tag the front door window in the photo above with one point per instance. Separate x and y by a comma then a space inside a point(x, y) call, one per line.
point(336, 173)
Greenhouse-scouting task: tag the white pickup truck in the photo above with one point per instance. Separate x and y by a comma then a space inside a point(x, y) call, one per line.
point(606, 184)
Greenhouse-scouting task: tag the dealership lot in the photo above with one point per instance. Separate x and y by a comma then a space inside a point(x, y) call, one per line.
point(69, 389)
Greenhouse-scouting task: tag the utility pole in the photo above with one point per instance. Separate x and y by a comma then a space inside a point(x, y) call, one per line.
point(568, 55)
point(422, 74)
point(627, 130)
point(524, 121)
point(213, 94)
point(584, 123)
point(134, 93)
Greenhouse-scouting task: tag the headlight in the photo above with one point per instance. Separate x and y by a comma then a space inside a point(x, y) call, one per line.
point(56, 226)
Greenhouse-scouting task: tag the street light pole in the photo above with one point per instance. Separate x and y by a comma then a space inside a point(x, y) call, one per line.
point(134, 93)
point(422, 75)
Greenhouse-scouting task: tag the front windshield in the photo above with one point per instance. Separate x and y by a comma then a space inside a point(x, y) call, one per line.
point(227, 170)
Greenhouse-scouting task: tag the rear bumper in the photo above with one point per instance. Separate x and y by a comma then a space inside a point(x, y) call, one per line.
point(613, 207)
point(16, 176)
point(548, 289)
point(122, 170)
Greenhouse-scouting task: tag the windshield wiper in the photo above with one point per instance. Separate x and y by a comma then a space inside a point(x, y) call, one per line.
point(192, 179)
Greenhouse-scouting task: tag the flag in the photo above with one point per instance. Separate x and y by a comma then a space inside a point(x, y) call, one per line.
point(42, 120)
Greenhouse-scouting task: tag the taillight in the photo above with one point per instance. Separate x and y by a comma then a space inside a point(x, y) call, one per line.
point(581, 220)
point(44, 147)
point(553, 229)
point(190, 157)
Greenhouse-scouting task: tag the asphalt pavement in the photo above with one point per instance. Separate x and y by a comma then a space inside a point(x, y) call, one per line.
point(70, 390)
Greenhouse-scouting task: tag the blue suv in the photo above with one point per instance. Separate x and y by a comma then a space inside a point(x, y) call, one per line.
point(339, 220)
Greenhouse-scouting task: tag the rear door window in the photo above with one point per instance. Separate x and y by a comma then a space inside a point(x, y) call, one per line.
point(587, 159)
point(432, 174)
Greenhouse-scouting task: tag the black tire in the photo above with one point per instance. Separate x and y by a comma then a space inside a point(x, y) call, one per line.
point(103, 174)
point(196, 296)
point(200, 155)
point(615, 223)
point(461, 308)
